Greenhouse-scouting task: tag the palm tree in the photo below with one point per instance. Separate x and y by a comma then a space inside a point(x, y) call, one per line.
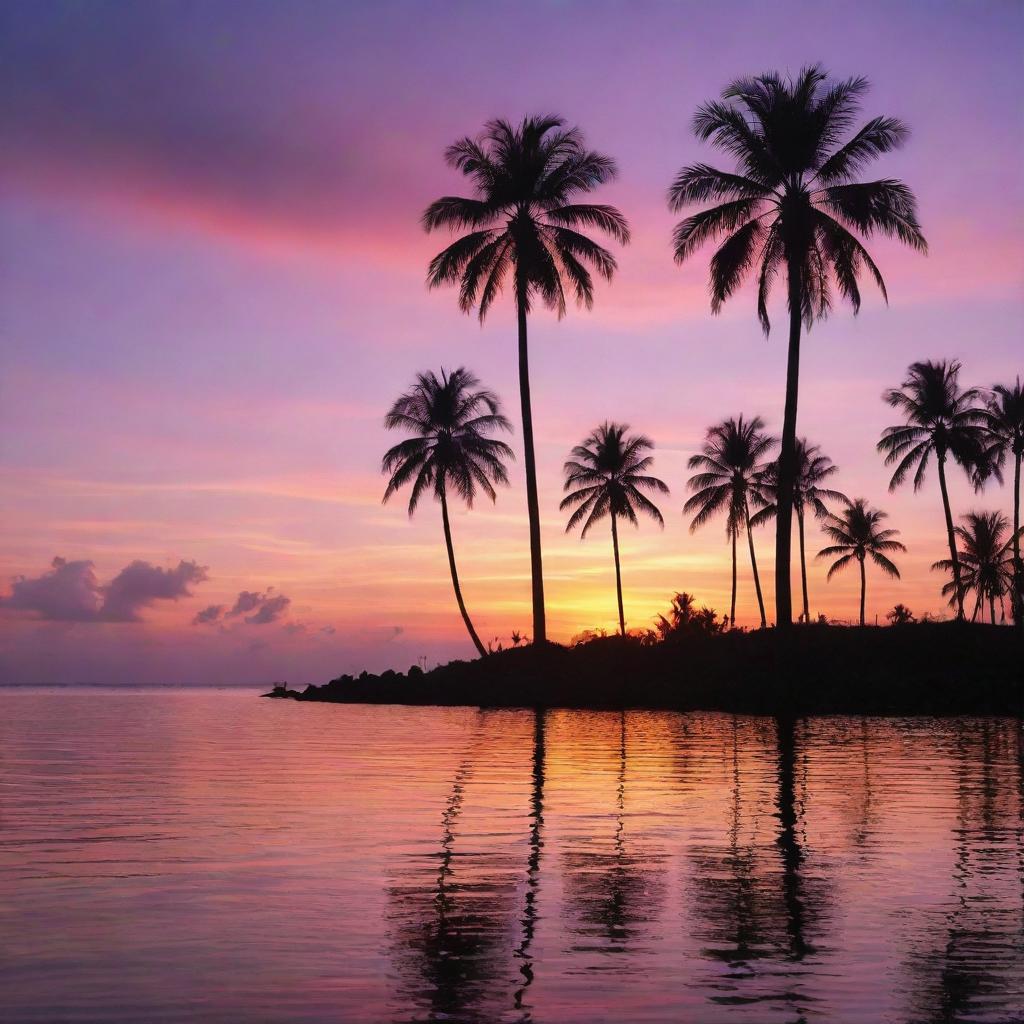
point(856, 535)
point(986, 565)
point(732, 460)
point(943, 420)
point(1006, 426)
point(449, 420)
point(525, 220)
point(792, 204)
point(609, 472)
point(812, 468)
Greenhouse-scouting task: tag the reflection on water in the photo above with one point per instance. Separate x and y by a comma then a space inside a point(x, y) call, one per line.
point(205, 855)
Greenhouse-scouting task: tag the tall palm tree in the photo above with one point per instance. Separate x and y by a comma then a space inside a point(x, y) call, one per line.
point(856, 534)
point(732, 460)
point(449, 419)
point(941, 419)
point(792, 204)
point(525, 220)
point(812, 469)
point(609, 472)
point(986, 565)
point(1006, 426)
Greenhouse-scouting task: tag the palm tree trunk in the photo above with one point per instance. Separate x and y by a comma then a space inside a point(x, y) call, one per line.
point(618, 575)
point(992, 608)
point(787, 458)
point(803, 561)
point(753, 564)
point(977, 606)
point(1017, 596)
point(863, 589)
point(950, 535)
point(532, 505)
point(732, 605)
point(455, 574)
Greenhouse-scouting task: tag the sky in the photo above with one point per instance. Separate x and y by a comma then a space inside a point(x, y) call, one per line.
point(213, 287)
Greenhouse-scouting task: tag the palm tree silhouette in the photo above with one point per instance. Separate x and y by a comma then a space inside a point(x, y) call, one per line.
point(609, 471)
point(857, 534)
point(1006, 426)
point(525, 223)
point(943, 420)
point(812, 468)
point(986, 566)
point(732, 461)
point(449, 419)
point(792, 204)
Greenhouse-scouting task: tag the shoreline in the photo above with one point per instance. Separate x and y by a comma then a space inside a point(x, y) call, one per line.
point(945, 668)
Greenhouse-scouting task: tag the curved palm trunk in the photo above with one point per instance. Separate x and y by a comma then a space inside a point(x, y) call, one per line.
point(732, 604)
point(950, 535)
point(977, 606)
point(753, 564)
point(803, 561)
point(787, 459)
point(618, 575)
point(532, 505)
point(455, 574)
point(863, 589)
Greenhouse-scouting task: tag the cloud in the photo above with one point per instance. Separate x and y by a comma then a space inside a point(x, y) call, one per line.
point(328, 630)
point(266, 607)
point(140, 584)
point(270, 610)
point(71, 592)
point(209, 614)
point(246, 602)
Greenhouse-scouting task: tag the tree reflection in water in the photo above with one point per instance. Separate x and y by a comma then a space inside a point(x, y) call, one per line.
point(613, 889)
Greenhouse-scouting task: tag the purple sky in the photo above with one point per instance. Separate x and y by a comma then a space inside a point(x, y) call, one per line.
point(213, 288)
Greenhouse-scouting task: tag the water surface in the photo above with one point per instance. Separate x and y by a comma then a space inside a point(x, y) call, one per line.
point(167, 856)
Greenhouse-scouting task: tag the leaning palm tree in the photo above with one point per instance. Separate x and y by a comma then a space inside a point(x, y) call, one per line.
point(792, 204)
point(986, 565)
point(941, 419)
point(449, 419)
point(857, 534)
point(732, 459)
point(1006, 428)
point(812, 469)
point(524, 222)
point(609, 474)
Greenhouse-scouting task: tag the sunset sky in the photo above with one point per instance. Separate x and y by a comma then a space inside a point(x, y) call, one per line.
point(213, 287)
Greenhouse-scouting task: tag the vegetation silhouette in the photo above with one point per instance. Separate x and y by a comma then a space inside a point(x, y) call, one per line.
point(900, 615)
point(449, 419)
point(684, 622)
point(732, 462)
point(813, 467)
point(609, 474)
point(943, 420)
point(525, 221)
point(792, 204)
point(986, 561)
point(856, 534)
point(1006, 438)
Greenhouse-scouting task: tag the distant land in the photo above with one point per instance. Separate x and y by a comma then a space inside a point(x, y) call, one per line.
point(920, 668)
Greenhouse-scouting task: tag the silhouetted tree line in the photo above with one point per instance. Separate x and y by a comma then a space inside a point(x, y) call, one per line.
point(793, 207)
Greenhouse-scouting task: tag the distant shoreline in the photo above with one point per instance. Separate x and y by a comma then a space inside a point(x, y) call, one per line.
point(915, 669)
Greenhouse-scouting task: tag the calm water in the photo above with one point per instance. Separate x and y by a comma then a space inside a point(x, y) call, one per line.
point(208, 855)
